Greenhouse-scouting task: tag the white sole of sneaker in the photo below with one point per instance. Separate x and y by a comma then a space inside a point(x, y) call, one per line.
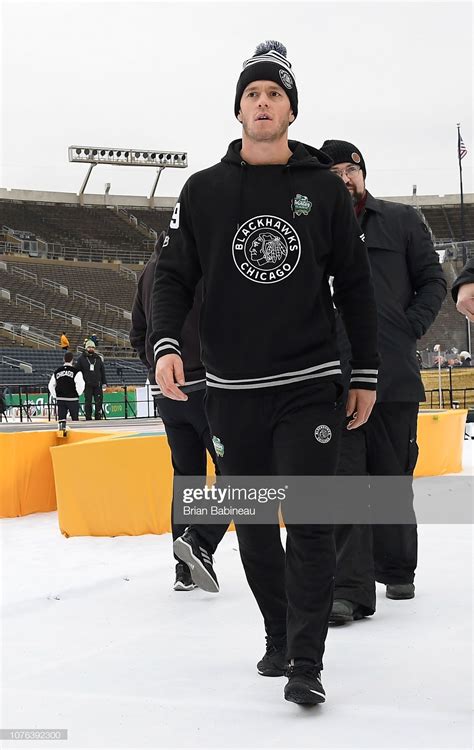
point(182, 587)
point(199, 573)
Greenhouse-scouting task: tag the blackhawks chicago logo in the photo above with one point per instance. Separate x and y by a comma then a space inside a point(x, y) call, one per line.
point(266, 249)
point(301, 205)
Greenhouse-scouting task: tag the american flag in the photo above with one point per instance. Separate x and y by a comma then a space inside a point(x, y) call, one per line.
point(462, 150)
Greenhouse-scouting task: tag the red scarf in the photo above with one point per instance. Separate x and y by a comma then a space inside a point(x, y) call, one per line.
point(359, 207)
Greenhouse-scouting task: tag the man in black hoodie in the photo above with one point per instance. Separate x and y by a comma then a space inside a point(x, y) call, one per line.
point(186, 426)
point(409, 289)
point(266, 228)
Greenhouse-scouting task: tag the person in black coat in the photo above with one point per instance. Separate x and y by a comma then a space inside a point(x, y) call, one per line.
point(409, 290)
point(185, 423)
point(92, 367)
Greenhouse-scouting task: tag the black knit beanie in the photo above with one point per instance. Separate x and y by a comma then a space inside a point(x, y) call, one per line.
point(269, 63)
point(343, 151)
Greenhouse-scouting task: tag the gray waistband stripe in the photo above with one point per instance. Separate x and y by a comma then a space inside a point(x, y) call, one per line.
point(335, 363)
point(364, 372)
point(300, 379)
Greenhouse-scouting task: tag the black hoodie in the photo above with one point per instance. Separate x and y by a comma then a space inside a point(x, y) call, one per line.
point(266, 239)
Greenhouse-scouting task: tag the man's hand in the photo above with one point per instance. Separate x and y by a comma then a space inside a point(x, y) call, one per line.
point(169, 373)
point(465, 303)
point(360, 403)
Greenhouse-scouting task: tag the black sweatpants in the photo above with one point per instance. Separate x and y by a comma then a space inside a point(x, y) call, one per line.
point(188, 434)
point(384, 446)
point(68, 406)
point(93, 391)
point(273, 433)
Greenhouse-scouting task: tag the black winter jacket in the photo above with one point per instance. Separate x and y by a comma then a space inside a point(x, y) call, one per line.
point(409, 290)
point(465, 277)
point(92, 368)
point(265, 239)
point(194, 373)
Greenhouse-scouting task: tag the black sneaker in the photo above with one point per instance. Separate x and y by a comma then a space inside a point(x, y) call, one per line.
point(344, 611)
point(304, 683)
point(198, 559)
point(183, 581)
point(400, 591)
point(274, 662)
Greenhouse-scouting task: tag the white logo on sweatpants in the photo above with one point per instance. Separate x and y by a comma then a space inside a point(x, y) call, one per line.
point(323, 433)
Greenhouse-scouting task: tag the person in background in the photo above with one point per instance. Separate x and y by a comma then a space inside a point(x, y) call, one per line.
point(91, 364)
point(463, 291)
point(186, 426)
point(66, 385)
point(3, 405)
point(409, 289)
point(465, 358)
point(64, 341)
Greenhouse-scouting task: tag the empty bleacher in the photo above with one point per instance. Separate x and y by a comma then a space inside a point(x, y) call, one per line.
point(118, 371)
point(98, 231)
point(445, 222)
point(157, 219)
point(96, 295)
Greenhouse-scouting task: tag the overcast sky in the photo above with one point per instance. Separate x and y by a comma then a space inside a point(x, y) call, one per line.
point(392, 77)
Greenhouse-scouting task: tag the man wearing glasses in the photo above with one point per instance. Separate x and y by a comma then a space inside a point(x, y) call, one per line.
point(409, 290)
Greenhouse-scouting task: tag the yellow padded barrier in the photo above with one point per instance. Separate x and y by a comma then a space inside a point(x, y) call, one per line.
point(441, 440)
point(129, 490)
point(26, 471)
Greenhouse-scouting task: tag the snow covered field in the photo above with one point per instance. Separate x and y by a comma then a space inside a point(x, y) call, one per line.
point(94, 640)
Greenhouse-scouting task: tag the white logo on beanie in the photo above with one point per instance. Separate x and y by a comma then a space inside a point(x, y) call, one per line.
point(286, 79)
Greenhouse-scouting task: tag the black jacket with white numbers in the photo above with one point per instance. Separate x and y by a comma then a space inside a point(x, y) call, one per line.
point(266, 239)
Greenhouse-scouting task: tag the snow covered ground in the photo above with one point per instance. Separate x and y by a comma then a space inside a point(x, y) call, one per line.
point(94, 640)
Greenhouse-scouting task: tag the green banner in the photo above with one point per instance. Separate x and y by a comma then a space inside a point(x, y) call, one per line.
point(113, 404)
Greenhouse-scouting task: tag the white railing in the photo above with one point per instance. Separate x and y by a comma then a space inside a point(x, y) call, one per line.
point(118, 311)
point(72, 319)
point(12, 362)
point(87, 299)
point(116, 336)
point(55, 286)
point(27, 275)
point(32, 304)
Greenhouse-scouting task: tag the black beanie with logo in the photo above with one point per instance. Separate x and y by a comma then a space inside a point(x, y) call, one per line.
point(269, 63)
point(342, 152)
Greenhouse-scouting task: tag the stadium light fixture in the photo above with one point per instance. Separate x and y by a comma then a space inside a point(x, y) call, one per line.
point(127, 157)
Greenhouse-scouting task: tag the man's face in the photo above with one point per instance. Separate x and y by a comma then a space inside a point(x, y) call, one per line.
point(353, 179)
point(90, 350)
point(265, 111)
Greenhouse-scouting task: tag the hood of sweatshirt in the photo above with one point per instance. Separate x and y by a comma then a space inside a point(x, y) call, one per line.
point(303, 155)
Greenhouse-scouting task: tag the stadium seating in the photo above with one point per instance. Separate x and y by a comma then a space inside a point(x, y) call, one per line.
point(98, 230)
point(445, 221)
point(118, 371)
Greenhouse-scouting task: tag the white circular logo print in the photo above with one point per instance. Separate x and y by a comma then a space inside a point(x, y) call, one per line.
point(286, 79)
point(323, 433)
point(266, 249)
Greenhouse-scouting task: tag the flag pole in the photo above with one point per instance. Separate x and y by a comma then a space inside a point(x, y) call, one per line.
point(464, 258)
